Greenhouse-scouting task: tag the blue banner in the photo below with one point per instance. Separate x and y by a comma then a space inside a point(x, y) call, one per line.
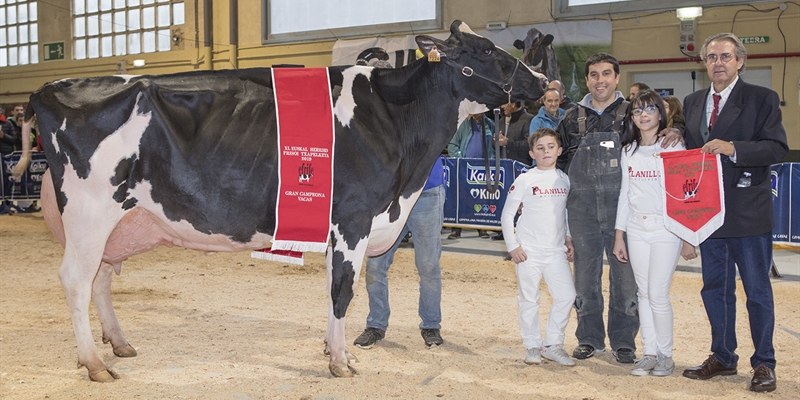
point(29, 185)
point(468, 202)
point(786, 204)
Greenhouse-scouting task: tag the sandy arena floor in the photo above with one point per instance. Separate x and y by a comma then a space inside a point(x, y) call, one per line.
point(230, 327)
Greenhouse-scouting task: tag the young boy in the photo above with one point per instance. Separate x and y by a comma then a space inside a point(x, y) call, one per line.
point(541, 247)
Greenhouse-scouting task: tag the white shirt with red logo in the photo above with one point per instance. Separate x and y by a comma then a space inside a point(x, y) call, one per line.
point(641, 191)
point(543, 223)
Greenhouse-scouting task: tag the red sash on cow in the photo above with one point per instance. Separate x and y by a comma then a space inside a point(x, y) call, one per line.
point(694, 204)
point(305, 164)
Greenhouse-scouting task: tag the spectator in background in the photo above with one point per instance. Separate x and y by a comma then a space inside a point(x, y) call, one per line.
point(566, 103)
point(674, 111)
point(468, 142)
point(9, 142)
point(516, 139)
point(636, 88)
point(550, 115)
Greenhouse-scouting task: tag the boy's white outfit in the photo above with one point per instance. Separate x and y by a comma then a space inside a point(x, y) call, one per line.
point(541, 231)
point(653, 251)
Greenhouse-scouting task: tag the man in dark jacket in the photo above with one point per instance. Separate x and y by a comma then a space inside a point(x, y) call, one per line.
point(742, 122)
point(513, 135)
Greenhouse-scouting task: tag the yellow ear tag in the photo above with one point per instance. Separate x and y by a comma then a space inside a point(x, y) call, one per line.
point(433, 55)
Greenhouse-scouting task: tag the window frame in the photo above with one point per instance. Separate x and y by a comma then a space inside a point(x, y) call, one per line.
point(33, 44)
point(562, 10)
point(435, 24)
point(139, 33)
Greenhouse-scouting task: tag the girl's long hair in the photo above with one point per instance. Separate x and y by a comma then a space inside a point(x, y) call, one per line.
point(641, 100)
point(675, 108)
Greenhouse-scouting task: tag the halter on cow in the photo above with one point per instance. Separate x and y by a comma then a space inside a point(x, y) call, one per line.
point(190, 159)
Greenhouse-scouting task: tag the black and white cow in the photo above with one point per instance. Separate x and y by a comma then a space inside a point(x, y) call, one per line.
point(190, 160)
point(538, 53)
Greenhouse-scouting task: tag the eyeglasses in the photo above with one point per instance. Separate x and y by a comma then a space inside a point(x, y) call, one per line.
point(649, 110)
point(725, 57)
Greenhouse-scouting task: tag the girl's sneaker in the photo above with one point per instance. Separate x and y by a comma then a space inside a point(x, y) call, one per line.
point(533, 356)
point(664, 366)
point(645, 365)
point(556, 353)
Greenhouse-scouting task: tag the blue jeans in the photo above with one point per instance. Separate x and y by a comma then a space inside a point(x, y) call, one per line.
point(753, 255)
point(425, 223)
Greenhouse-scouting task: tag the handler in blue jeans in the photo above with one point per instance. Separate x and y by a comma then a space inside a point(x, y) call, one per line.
point(425, 223)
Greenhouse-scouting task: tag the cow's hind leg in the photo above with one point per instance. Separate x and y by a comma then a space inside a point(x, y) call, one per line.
point(77, 274)
point(101, 295)
point(344, 267)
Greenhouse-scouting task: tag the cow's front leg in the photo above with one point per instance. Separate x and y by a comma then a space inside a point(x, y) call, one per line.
point(101, 295)
point(344, 267)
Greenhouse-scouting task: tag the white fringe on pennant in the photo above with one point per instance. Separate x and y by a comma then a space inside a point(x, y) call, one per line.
point(299, 246)
point(277, 257)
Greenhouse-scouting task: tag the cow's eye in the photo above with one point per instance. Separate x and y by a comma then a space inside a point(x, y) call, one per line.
point(487, 52)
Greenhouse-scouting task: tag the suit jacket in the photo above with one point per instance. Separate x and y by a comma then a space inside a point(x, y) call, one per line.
point(751, 120)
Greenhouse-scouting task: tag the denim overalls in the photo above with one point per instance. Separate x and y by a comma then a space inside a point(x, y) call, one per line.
point(595, 179)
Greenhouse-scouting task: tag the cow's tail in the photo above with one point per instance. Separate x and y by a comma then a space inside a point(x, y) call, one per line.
point(22, 165)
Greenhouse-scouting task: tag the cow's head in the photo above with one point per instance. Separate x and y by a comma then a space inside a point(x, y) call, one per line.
point(538, 53)
point(491, 73)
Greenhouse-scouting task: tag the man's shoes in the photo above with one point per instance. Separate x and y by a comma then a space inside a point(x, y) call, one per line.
point(556, 353)
point(454, 235)
point(533, 356)
point(369, 337)
point(710, 368)
point(584, 351)
point(432, 338)
point(499, 236)
point(764, 379)
point(624, 355)
point(31, 209)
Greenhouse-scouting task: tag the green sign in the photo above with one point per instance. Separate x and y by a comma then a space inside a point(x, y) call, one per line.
point(755, 39)
point(53, 51)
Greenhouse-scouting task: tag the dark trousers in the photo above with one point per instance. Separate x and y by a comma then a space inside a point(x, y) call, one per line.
point(753, 256)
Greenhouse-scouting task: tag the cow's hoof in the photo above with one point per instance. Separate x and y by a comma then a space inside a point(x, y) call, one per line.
point(127, 351)
point(104, 376)
point(340, 372)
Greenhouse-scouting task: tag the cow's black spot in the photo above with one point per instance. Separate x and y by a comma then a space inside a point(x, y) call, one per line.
point(342, 279)
point(120, 194)
point(129, 203)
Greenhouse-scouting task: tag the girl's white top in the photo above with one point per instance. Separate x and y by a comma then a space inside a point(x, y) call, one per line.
point(543, 223)
point(641, 191)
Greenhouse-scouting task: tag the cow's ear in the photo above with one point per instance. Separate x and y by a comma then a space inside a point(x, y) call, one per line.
point(426, 44)
point(547, 40)
point(519, 44)
point(458, 27)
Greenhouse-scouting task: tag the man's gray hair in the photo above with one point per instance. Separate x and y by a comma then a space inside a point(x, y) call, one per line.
point(739, 49)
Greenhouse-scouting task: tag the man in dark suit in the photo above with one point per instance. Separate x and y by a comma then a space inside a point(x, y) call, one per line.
point(742, 122)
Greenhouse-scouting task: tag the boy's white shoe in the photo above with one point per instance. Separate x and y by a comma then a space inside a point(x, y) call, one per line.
point(664, 366)
point(644, 366)
point(533, 356)
point(556, 353)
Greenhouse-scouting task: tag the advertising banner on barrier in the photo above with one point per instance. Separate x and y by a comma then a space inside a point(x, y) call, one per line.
point(29, 185)
point(468, 202)
point(786, 205)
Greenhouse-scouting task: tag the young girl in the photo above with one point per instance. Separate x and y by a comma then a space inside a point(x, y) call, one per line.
point(653, 250)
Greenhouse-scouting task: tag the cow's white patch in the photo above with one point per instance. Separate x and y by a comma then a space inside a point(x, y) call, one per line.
point(384, 232)
point(536, 74)
point(346, 103)
point(467, 107)
point(126, 77)
point(355, 256)
point(466, 29)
